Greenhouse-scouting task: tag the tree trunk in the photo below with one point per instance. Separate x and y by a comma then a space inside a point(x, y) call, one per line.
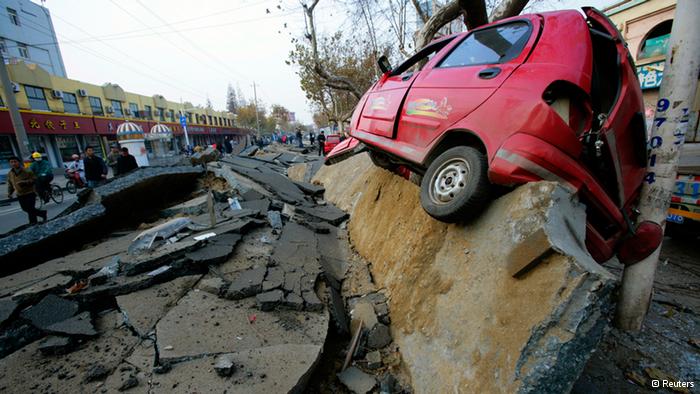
point(507, 8)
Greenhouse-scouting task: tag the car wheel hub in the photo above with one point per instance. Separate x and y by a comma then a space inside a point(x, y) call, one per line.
point(449, 180)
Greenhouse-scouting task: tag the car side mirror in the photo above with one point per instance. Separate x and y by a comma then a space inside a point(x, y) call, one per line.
point(384, 64)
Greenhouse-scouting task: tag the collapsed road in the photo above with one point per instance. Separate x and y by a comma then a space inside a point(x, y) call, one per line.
point(266, 272)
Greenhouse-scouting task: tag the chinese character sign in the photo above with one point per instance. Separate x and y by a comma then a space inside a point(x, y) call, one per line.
point(650, 75)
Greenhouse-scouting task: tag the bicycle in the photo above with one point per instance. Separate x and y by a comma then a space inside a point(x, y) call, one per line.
point(53, 192)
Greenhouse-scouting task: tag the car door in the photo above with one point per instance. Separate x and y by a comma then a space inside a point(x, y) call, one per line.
point(621, 118)
point(467, 74)
point(386, 97)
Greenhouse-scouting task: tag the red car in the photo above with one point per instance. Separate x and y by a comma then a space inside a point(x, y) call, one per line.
point(550, 96)
point(332, 140)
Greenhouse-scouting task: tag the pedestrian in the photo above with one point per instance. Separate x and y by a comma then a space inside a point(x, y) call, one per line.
point(321, 144)
point(126, 162)
point(312, 138)
point(299, 137)
point(95, 168)
point(228, 144)
point(112, 158)
point(44, 175)
point(284, 139)
point(21, 181)
point(76, 170)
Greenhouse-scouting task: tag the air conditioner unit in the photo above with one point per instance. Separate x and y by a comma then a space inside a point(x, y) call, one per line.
point(57, 94)
point(109, 109)
point(82, 92)
point(15, 87)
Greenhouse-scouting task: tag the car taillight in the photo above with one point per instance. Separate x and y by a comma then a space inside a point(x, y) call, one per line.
point(571, 108)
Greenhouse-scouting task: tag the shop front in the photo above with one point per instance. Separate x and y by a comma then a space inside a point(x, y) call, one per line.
point(59, 136)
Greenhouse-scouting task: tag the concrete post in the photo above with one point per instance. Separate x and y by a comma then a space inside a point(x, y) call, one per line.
point(681, 72)
point(15, 117)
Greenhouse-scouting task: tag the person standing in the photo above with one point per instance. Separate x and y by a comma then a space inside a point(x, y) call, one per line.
point(95, 168)
point(21, 181)
point(299, 137)
point(312, 138)
point(44, 175)
point(112, 158)
point(321, 143)
point(126, 162)
point(228, 144)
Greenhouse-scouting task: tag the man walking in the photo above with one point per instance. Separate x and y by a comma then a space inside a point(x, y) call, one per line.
point(112, 158)
point(299, 137)
point(22, 181)
point(44, 175)
point(126, 162)
point(321, 143)
point(95, 168)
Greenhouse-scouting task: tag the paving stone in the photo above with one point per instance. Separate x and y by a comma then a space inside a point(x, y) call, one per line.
point(374, 359)
point(213, 285)
point(246, 284)
point(203, 324)
point(357, 381)
point(364, 310)
point(7, 308)
point(50, 310)
point(292, 282)
point(274, 278)
point(269, 300)
point(55, 345)
point(293, 301)
point(142, 316)
point(297, 248)
point(224, 366)
point(311, 301)
point(80, 325)
point(379, 336)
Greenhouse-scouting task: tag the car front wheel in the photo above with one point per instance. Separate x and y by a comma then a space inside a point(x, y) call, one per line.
point(456, 185)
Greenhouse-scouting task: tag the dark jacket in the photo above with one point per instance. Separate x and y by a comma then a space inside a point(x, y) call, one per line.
point(125, 164)
point(321, 139)
point(20, 181)
point(94, 168)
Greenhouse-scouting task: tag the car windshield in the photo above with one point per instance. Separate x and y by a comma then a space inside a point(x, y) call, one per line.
point(497, 44)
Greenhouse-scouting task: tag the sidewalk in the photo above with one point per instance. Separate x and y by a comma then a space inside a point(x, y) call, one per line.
point(58, 179)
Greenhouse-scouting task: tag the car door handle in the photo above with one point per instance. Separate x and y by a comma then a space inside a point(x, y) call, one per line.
point(407, 77)
point(489, 73)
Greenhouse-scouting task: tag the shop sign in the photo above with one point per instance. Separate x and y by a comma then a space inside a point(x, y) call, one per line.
point(36, 123)
point(650, 75)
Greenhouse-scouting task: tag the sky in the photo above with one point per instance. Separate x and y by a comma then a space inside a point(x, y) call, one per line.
point(191, 50)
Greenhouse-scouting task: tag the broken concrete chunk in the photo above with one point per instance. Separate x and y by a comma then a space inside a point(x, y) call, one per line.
point(261, 205)
point(195, 206)
point(145, 241)
point(288, 211)
point(96, 372)
point(293, 302)
point(357, 381)
point(230, 239)
point(252, 195)
point(50, 310)
point(327, 213)
point(248, 283)
point(274, 278)
point(44, 286)
point(364, 310)
point(337, 309)
point(270, 300)
point(212, 285)
point(129, 381)
point(7, 308)
point(310, 188)
point(224, 366)
point(80, 325)
point(379, 336)
point(208, 155)
point(292, 282)
point(54, 345)
point(313, 304)
point(108, 271)
point(210, 254)
point(374, 359)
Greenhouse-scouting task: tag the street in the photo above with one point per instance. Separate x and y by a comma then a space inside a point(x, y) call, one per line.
point(11, 216)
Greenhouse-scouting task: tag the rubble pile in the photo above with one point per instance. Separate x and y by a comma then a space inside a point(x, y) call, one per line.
point(232, 289)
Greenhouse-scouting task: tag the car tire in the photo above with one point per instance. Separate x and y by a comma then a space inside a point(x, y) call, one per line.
point(456, 187)
point(382, 161)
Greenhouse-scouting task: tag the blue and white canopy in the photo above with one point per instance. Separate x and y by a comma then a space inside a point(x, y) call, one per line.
point(160, 132)
point(129, 131)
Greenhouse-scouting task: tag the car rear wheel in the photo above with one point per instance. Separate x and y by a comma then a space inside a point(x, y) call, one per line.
point(456, 185)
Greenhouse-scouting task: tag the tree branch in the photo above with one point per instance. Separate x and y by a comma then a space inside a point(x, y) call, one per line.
point(507, 8)
point(419, 10)
point(474, 13)
point(443, 16)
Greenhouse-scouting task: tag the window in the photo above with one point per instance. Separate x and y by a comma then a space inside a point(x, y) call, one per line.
point(216, 123)
point(117, 107)
point(70, 103)
point(189, 117)
point(36, 97)
point(96, 105)
point(149, 112)
point(134, 110)
point(210, 122)
point(161, 113)
point(171, 115)
point(14, 18)
point(656, 41)
point(492, 45)
point(23, 50)
point(3, 47)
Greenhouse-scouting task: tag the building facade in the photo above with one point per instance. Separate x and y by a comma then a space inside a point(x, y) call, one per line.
point(62, 116)
point(27, 34)
point(646, 26)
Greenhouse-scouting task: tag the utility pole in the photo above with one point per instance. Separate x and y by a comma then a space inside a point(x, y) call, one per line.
point(15, 117)
point(257, 117)
point(680, 80)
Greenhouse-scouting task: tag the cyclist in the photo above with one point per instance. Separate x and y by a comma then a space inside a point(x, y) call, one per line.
point(44, 175)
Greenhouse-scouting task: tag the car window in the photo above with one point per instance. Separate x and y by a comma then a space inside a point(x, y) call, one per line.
point(333, 140)
point(421, 57)
point(497, 44)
